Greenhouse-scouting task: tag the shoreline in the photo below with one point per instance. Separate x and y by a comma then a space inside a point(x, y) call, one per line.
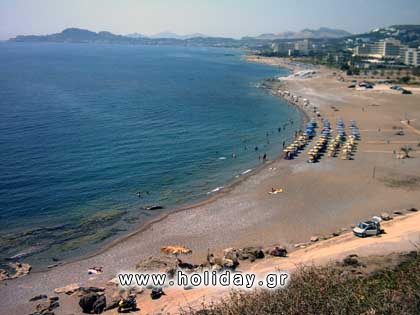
point(318, 199)
point(227, 188)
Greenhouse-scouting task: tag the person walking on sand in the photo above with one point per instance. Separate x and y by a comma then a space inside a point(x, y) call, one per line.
point(265, 157)
point(284, 144)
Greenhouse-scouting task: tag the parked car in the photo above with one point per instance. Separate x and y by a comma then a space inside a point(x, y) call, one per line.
point(368, 228)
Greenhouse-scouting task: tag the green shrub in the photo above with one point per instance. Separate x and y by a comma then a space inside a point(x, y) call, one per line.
point(331, 291)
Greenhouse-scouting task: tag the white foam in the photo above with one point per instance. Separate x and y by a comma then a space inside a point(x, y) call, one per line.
point(216, 190)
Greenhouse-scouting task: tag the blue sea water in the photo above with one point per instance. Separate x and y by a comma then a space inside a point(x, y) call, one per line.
point(83, 128)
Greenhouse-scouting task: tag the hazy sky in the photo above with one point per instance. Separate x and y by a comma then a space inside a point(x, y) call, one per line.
point(233, 18)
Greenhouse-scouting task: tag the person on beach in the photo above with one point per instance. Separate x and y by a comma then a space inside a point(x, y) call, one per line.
point(284, 144)
point(265, 157)
point(256, 148)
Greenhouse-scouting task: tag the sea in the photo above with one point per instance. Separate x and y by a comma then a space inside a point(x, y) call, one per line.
point(92, 135)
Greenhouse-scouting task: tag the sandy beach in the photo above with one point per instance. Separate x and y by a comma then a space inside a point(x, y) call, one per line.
point(318, 199)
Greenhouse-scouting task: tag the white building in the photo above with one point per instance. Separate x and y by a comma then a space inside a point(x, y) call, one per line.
point(384, 49)
point(411, 57)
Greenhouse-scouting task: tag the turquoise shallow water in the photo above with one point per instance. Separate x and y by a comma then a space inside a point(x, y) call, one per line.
point(85, 127)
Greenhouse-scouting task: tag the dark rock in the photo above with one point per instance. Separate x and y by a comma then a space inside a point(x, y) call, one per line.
point(89, 290)
point(154, 207)
point(38, 297)
point(54, 298)
point(412, 210)
point(92, 303)
point(185, 265)
point(351, 261)
point(99, 305)
point(156, 293)
point(46, 308)
point(42, 307)
point(53, 305)
point(397, 212)
point(252, 251)
point(278, 251)
point(335, 234)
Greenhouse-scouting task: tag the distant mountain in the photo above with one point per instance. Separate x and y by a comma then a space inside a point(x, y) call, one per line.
point(77, 35)
point(176, 36)
point(135, 35)
point(74, 35)
point(408, 34)
point(322, 32)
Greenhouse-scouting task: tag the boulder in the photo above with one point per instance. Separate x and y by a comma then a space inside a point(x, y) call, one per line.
point(99, 305)
point(251, 253)
point(385, 216)
point(68, 289)
point(335, 234)
point(157, 264)
point(351, 260)
point(230, 264)
point(156, 293)
point(231, 253)
point(397, 212)
point(412, 209)
point(42, 307)
point(314, 239)
point(90, 290)
point(4, 275)
point(38, 297)
point(22, 269)
point(92, 303)
point(46, 307)
point(278, 251)
point(185, 265)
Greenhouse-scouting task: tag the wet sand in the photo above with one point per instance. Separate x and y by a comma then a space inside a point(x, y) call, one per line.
point(318, 199)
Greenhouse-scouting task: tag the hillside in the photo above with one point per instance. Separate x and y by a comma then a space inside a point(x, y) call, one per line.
point(408, 34)
point(76, 35)
point(322, 32)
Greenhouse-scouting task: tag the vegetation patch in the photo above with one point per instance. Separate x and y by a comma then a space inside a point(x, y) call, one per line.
point(331, 290)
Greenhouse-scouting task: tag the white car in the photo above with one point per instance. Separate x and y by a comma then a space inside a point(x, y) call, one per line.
point(368, 228)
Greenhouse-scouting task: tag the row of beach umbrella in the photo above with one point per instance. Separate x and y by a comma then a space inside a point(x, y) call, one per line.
point(316, 152)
